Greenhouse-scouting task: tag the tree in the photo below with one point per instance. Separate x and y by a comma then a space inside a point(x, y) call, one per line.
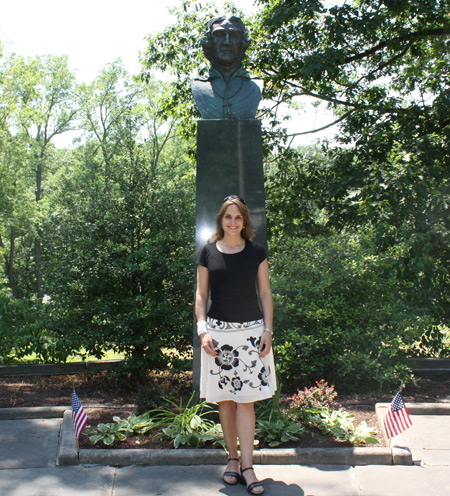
point(17, 210)
point(370, 60)
point(38, 95)
point(382, 67)
point(121, 263)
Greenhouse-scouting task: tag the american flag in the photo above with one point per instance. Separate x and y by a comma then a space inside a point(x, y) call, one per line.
point(397, 418)
point(79, 416)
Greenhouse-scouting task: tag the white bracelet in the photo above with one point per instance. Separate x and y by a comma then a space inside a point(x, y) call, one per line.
point(201, 327)
point(268, 330)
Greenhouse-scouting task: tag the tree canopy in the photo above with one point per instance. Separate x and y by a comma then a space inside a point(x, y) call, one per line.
point(358, 227)
point(372, 61)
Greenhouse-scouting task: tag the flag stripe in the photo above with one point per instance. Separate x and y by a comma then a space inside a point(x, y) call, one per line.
point(397, 417)
point(79, 417)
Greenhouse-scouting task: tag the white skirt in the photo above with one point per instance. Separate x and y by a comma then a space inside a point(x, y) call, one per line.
point(237, 373)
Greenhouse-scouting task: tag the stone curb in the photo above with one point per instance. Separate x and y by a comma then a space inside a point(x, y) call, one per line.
point(401, 453)
point(67, 450)
point(33, 412)
point(67, 455)
point(397, 453)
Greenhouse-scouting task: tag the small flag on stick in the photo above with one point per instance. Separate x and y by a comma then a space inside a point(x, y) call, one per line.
point(397, 418)
point(79, 416)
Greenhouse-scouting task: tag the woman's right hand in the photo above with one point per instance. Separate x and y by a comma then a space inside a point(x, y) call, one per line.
point(207, 344)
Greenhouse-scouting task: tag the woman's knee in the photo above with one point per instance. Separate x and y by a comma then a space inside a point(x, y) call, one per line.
point(227, 406)
point(250, 407)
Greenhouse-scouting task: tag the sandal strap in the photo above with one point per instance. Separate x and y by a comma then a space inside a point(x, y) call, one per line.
point(233, 459)
point(254, 485)
point(231, 474)
point(245, 469)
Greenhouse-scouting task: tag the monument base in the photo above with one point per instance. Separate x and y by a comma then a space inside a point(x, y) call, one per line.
point(229, 162)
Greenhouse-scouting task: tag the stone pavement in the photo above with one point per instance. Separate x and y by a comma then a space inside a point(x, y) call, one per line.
point(30, 449)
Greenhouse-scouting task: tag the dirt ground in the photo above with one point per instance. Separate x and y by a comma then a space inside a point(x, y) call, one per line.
point(103, 398)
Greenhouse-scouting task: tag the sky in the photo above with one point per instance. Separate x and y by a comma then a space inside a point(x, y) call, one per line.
point(95, 32)
point(91, 32)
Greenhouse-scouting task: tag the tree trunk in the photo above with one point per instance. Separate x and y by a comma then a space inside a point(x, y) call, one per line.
point(37, 241)
point(9, 264)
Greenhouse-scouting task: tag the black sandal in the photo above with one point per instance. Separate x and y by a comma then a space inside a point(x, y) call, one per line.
point(232, 474)
point(252, 485)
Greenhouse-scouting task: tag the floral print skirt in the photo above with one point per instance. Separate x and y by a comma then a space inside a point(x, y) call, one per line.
point(237, 373)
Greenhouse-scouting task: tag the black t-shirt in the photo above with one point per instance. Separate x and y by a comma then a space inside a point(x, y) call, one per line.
point(232, 280)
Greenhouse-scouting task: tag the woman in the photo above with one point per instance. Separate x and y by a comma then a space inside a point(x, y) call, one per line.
point(237, 366)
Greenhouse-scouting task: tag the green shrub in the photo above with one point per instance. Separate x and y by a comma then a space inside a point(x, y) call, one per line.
point(120, 429)
point(339, 425)
point(188, 425)
point(340, 312)
point(274, 425)
point(26, 329)
point(318, 396)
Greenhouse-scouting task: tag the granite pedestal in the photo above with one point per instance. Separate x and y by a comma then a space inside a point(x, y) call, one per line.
point(229, 162)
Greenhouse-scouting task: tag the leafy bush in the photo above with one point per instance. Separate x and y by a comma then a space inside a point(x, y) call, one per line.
point(339, 424)
point(434, 342)
point(26, 328)
point(183, 425)
point(274, 425)
point(279, 431)
point(120, 429)
point(320, 395)
point(340, 312)
point(315, 407)
point(188, 425)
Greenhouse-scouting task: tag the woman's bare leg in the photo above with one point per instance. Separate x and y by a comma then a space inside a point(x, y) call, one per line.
point(227, 414)
point(245, 425)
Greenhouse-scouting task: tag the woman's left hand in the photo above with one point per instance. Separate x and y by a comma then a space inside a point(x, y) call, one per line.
point(265, 344)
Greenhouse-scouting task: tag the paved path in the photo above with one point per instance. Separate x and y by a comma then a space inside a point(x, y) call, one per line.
point(28, 452)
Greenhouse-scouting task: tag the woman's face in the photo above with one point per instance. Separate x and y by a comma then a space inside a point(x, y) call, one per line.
point(232, 221)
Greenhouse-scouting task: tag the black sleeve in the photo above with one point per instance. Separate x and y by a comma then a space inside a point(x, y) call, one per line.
point(203, 258)
point(262, 254)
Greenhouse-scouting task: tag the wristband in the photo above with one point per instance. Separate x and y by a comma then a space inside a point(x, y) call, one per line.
point(268, 330)
point(201, 327)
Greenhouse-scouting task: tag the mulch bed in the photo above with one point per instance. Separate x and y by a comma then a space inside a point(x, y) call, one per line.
point(104, 397)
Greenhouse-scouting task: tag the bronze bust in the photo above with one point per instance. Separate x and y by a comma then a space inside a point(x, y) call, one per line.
point(228, 92)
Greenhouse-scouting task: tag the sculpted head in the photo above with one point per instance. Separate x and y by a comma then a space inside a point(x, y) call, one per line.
point(225, 42)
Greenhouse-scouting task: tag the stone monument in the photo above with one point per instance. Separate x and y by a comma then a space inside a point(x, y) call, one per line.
point(229, 143)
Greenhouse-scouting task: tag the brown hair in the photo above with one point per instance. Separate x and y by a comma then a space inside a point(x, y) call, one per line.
point(247, 231)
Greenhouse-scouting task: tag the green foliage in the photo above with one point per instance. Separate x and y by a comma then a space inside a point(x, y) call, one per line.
point(330, 319)
point(274, 425)
point(25, 328)
point(434, 342)
point(120, 429)
point(188, 425)
point(135, 424)
point(339, 424)
point(315, 407)
point(279, 431)
point(389, 182)
point(120, 267)
point(106, 434)
point(183, 425)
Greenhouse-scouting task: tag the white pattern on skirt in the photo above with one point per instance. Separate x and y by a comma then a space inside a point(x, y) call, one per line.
point(237, 373)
